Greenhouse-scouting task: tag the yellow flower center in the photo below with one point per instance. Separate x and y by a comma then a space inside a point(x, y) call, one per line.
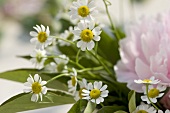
point(73, 79)
point(80, 92)
point(142, 111)
point(86, 35)
point(83, 11)
point(153, 93)
point(36, 87)
point(60, 67)
point(42, 37)
point(95, 93)
point(147, 81)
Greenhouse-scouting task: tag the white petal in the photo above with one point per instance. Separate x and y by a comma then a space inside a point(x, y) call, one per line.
point(96, 31)
point(44, 90)
point(103, 88)
point(43, 28)
point(37, 29)
point(33, 40)
point(43, 83)
point(82, 25)
point(48, 31)
point(33, 33)
point(27, 84)
point(97, 101)
point(154, 100)
point(90, 45)
point(91, 4)
point(91, 25)
point(76, 32)
point(34, 98)
point(83, 46)
point(93, 100)
point(87, 98)
point(30, 80)
point(40, 96)
point(96, 85)
point(101, 99)
point(160, 95)
point(79, 43)
point(104, 93)
point(161, 87)
point(85, 91)
point(36, 77)
point(96, 38)
point(27, 90)
point(90, 86)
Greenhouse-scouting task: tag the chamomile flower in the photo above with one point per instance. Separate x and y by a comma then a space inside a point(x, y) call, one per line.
point(160, 111)
point(95, 93)
point(38, 58)
point(36, 86)
point(68, 35)
point(59, 66)
point(144, 108)
point(41, 38)
point(83, 9)
point(72, 84)
point(86, 33)
point(152, 80)
point(153, 93)
point(83, 85)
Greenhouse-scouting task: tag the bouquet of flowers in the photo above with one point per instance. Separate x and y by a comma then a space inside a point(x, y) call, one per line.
point(99, 70)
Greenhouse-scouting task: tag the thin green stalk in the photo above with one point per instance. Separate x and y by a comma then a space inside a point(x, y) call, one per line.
point(149, 98)
point(64, 40)
point(91, 69)
point(77, 56)
point(58, 76)
point(96, 47)
point(110, 19)
point(100, 61)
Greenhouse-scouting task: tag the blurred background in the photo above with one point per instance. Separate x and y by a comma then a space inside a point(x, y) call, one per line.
point(17, 17)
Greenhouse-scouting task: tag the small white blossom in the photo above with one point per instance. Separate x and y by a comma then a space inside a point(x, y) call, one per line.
point(68, 35)
point(144, 108)
point(153, 93)
point(95, 93)
point(147, 81)
point(72, 84)
point(82, 9)
point(60, 64)
point(86, 34)
point(41, 38)
point(83, 85)
point(38, 58)
point(36, 86)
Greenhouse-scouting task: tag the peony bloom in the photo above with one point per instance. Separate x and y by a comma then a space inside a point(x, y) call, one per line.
point(145, 52)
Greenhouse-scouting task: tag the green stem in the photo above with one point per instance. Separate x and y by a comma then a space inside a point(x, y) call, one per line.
point(91, 69)
point(64, 40)
point(77, 56)
point(100, 61)
point(58, 76)
point(149, 98)
point(110, 19)
point(96, 47)
point(101, 104)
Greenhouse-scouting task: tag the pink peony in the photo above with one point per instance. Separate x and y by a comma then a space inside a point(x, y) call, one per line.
point(145, 52)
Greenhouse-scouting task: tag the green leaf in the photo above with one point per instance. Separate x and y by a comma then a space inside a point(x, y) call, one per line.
point(21, 75)
point(111, 109)
point(78, 107)
point(109, 52)
point(120, 111)
point(132, 101)
point(90, 107)
point(22, 102)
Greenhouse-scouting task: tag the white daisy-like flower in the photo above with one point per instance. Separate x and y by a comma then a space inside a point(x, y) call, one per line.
point(144, 108)
point(36, 86)
point(60, 64)
point(38, 58)
point(72, 84)
point(167, 111)
point(152, 80)
point(85, 33)
point(83, 9)
point(83, 85)
point(68, 35)
point(41, 38)
point(153, 93)
point(96, 92)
